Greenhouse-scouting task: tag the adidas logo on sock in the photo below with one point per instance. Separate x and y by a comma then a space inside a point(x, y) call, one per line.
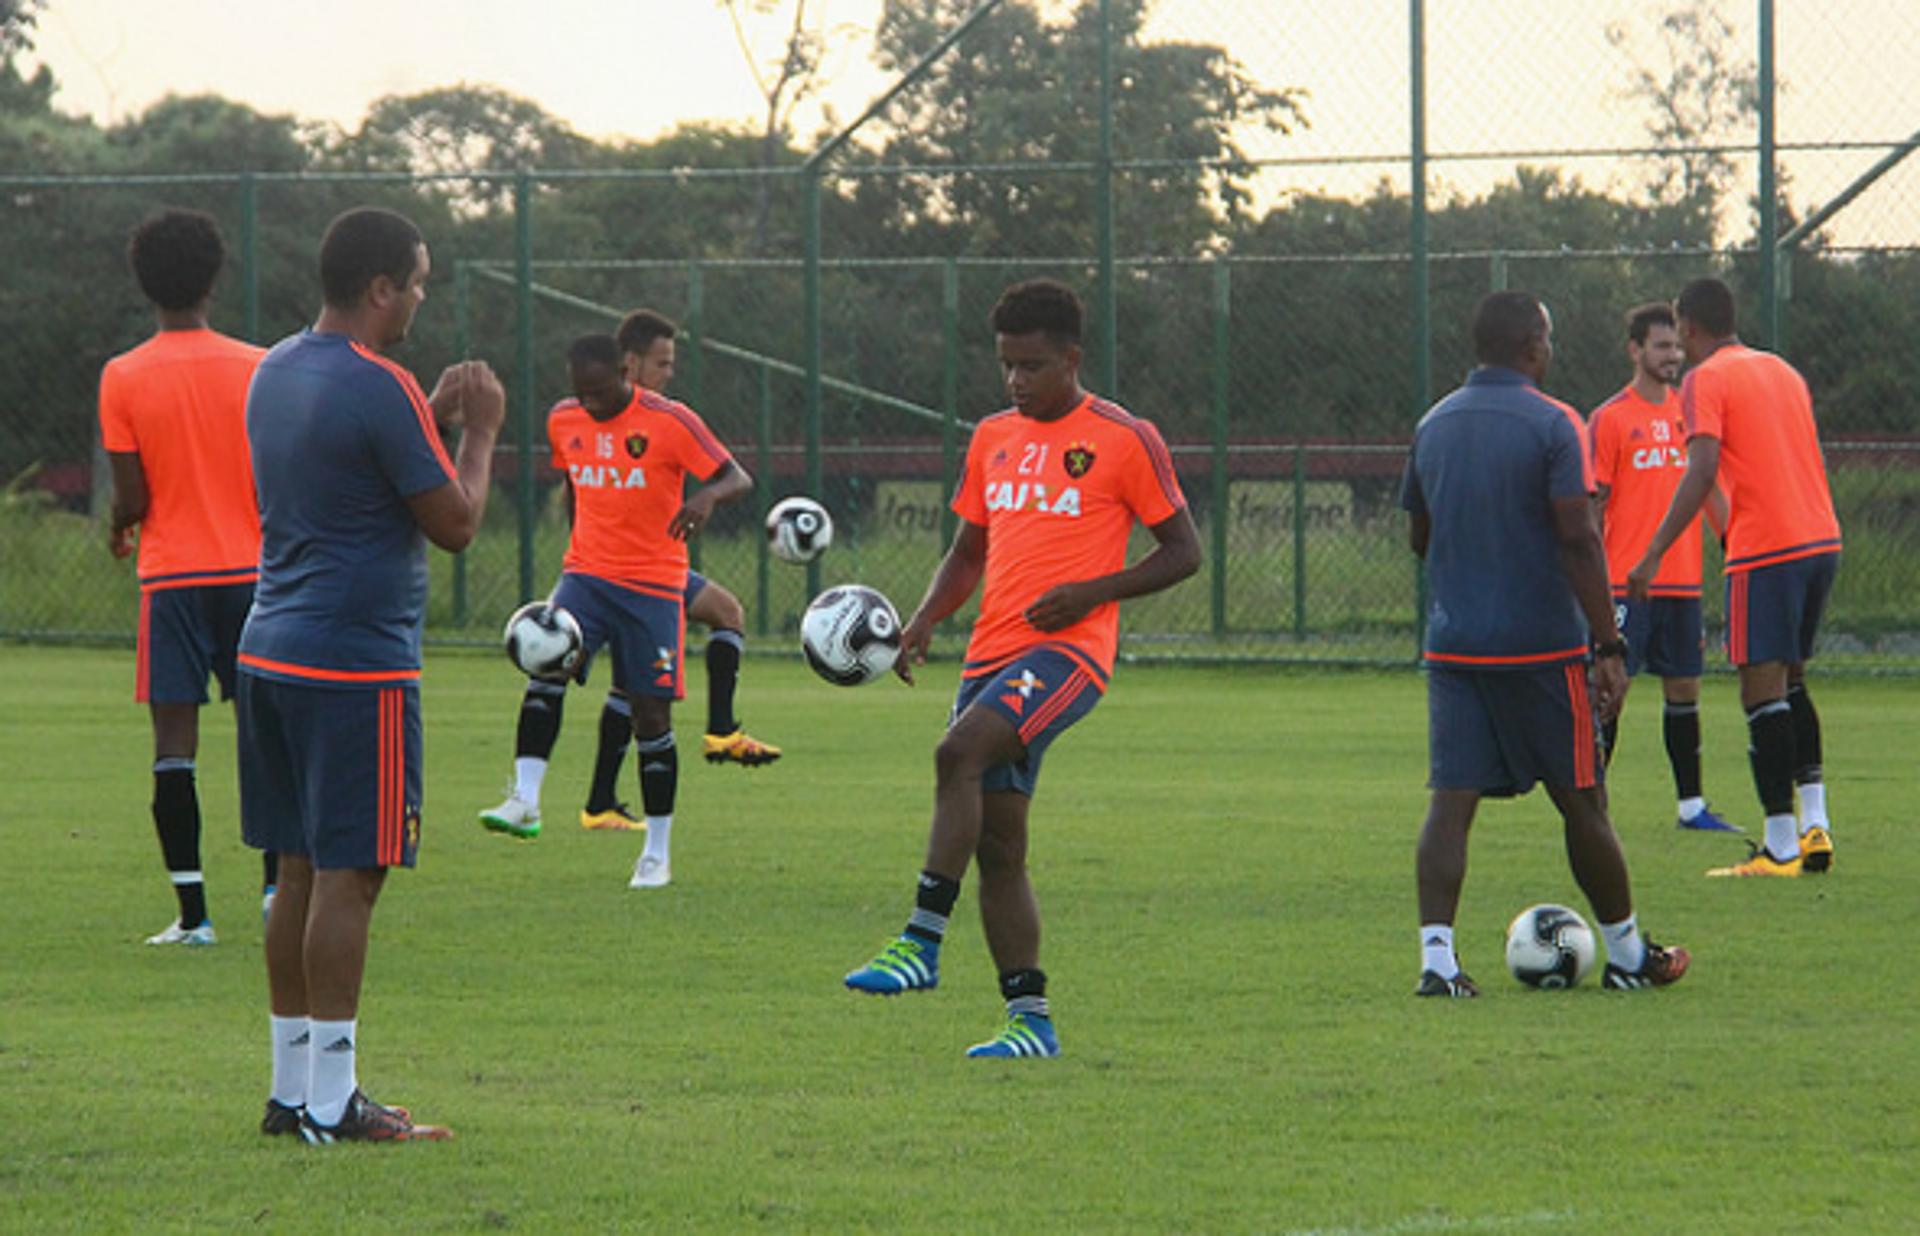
point(343, 1043)
point(305, 1038)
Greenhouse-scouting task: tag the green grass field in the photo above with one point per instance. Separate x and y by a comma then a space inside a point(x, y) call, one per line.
point(1225, 862)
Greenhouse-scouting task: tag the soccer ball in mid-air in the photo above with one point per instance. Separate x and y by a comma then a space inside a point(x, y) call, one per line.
point(851, 635)
point(1550, 947)
point(798, 529)
point(543, 640)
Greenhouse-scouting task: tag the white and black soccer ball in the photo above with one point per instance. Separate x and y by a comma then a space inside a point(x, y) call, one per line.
point(798, 529)
point(1550, 947)
point(543, 640)
point(851, 635)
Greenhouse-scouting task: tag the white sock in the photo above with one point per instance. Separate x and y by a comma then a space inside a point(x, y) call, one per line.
point(1436, 950)
point(528, 773)
point(1625, 947)
point(331, 1079)
point(659, 834)
point(1813, 805)
point(1691, 807)
point(1783, 837)
point(290, 1039)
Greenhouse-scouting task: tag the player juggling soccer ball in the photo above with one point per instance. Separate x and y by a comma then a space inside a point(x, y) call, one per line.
point(627, 452)
point(1749, 418)
point(353, 481)
point(1498, 489)
point(1051, 489)
point(1639, 445)
point(173, 421)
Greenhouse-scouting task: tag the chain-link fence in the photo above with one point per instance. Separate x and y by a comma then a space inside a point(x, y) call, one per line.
point(1280, 237)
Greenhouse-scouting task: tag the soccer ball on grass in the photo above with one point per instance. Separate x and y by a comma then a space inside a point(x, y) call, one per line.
point(1549, 947)
point(851, 635)
point(543, 640)
point(798, 529)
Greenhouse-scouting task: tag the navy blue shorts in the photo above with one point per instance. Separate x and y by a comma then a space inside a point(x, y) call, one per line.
point(695, 583)
point(330, 773)
point(1042, 692)
point(1500, 732)
point(646, 630)
point(1665, 635)
point(184, 635)
point(1773, 612)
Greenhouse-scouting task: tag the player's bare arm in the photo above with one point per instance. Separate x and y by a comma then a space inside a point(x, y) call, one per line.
point(732, 481)
point(958, 575)
point(1585, 561)
point(1703, 470)
point(447, 395)
point(1419, 533)
point(1175, 556)
point(450, 514)
point(129, 501)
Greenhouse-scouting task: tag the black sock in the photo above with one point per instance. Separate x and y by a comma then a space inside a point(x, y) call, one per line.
point(659, 773)
point(616, 730)
point(1770, 750)
point(1609, 735)
point(723, 675)
point(1017, 983)
point(176, 817)
point(1806, 736)
point(932, 905)
point(1680, 725)
point(269, 870)
point(540, 720)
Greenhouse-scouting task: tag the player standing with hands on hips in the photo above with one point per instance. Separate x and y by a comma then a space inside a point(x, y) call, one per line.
point(353, 483)
point(1051, 490)
point(1498, 488)
point(1638, 439)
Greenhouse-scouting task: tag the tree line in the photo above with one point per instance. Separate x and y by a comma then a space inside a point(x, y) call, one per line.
point(1320, 330)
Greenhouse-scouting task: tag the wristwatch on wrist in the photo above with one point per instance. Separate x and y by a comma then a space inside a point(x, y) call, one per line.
point(1615, 647)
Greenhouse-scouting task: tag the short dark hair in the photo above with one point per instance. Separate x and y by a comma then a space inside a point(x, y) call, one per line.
point(361, 245)
point(1708, 303)
point(176, 255)
point(1044, 305)
point(1505, 324)
point(1642, 319)
point(640, 328)
point(595, 349)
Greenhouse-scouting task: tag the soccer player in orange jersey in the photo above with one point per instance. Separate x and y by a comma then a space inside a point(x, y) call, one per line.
point(647, 359)
point(173, 421)
point(1638, 443)
point(1750, 419)
point(626, 452)
point(1051, 490)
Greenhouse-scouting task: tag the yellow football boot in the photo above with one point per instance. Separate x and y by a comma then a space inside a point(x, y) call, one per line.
point(739, 747)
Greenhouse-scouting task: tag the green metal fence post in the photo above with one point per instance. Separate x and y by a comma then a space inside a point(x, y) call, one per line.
point(949, 396)
point(1222, 381)
point(250, 256)
point(523, 314)
point(1422, 310)
point(1108, 306)
point(763, 499)
point(696, 365)
point(697, 333)
point(1497, 275)
point(810, 287)
point(1769, 191)
point(462, 349)
point(1299, 541)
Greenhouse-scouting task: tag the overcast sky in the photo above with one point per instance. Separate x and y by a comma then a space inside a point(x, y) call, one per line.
point(1503, 75)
